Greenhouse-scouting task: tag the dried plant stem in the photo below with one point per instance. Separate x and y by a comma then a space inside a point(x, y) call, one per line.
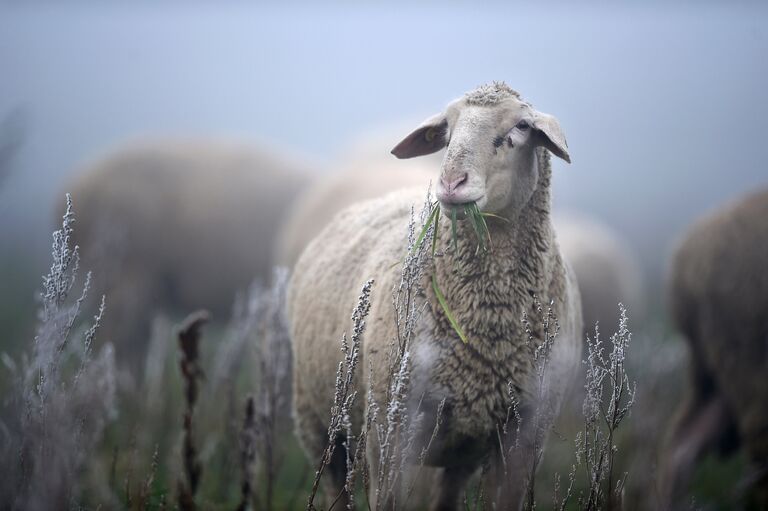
point(247, 455)
point(189, 343)
point(345, 394)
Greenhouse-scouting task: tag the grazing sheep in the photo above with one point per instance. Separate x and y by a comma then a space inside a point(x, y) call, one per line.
point(605, 268)
point(719, 300)
point(175, 226)
point(603, 263)
point(497, 156)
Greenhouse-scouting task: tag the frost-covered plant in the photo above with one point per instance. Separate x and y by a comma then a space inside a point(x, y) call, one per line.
point(609, 399)
point(345, 392)
point(545, 408)
point(273, 359)
point(524, 437)
point(64, 395)
point(396, 428)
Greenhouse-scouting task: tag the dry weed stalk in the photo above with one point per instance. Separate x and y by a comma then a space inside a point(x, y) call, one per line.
point(248, 436)
point(397, 427)
point(189, 345)
point(544, 410)
point(609, 399)
point(345, 393)
point(63, 396)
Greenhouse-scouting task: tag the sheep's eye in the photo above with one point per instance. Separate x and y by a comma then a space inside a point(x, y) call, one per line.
point(498, 141)
point(522, 125)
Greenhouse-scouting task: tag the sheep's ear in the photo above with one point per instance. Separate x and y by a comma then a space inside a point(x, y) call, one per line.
point(428, 138)
point(553, 137)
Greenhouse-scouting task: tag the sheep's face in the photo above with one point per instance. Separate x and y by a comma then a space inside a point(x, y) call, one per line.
point(490, 153)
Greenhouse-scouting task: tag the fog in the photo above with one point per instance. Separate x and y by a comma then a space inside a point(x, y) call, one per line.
point(663, 107)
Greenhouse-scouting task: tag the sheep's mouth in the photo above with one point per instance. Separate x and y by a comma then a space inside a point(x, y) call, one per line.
point(460, 208)
point(469, 211)
point(457, 210)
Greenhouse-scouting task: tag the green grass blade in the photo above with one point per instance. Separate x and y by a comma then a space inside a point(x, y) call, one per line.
point(448, 313)
point(491, 215)
point(427, 224)
point(435, 231)
point(469, 210)
point(484, 224)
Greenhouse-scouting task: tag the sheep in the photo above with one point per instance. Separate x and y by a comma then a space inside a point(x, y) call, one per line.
point(605, 268)
point(498, 157)
point(718, 299)
point(604, 264)
point(177, 225)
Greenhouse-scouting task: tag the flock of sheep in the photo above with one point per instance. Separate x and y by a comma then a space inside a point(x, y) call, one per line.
point(176, 226)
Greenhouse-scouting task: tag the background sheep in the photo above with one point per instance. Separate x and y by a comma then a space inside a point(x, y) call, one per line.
point(367, 170)
point(719, 300)
point(177, 225)
point(495, 138)
point(605, 268)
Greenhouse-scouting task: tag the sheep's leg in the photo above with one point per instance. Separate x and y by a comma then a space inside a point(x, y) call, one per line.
point(705, 426)
point(450, 487)
point(131, 305)
point(313, 436)
point(337, 469)
point(510, 470)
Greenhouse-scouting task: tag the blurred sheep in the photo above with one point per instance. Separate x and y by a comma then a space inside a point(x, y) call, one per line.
point(719, 301)
point(605, 268)
point(178, 225)
point(367, 170)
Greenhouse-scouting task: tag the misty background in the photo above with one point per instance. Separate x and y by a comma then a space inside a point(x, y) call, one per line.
point(663, 106)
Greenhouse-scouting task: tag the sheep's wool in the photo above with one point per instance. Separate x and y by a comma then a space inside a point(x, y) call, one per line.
point(491, 94)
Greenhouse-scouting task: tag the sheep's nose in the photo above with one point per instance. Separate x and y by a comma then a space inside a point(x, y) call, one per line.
point(452, 182)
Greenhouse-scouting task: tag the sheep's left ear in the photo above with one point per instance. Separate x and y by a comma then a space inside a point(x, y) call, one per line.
point(552, 135)
point(428, 138)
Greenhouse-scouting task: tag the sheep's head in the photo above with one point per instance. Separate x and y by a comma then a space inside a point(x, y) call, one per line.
point(491, 136)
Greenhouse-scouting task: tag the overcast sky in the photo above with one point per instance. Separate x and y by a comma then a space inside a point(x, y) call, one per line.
point(664, 108)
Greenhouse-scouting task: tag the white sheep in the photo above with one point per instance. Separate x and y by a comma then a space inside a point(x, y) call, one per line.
point(719, 301)
point(178, 225)
point(604, 264)
point(497, 157)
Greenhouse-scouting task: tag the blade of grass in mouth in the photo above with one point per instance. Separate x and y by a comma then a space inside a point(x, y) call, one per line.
point(481, 217)
point(447, 310)
point(436, 230)
point(470, 212)
point(430, 220)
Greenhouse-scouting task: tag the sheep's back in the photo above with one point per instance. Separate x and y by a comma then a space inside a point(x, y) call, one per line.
point(198, 217)
point(364, 241)
point(719, 299)
point(605, 269)
point(317, 205)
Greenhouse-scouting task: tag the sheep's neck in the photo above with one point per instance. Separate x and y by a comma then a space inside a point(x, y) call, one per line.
point(483, 290)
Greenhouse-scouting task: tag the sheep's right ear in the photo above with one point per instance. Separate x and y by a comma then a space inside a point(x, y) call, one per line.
point(428, 138)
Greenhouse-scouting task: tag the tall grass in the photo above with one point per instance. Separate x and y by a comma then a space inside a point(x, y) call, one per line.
point(73, 437)
point(392, 429)
point(63, 393)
